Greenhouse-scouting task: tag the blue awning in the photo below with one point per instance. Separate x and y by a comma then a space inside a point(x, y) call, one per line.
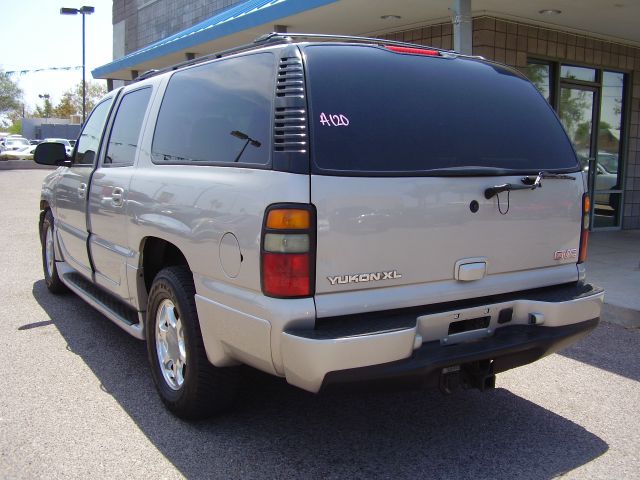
point(244, 16)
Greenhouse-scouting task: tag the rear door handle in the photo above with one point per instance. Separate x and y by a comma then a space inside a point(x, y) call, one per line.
point(117, 196)
point(82, 190)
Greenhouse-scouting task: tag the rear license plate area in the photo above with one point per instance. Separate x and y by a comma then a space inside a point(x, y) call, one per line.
point(469, 324)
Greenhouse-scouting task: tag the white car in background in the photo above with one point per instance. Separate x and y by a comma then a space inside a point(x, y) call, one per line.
point(67, 145)
point(14, 142)
point(24, 153)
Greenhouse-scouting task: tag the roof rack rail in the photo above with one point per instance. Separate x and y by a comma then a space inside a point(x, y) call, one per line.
point(277, 38)
point(147, 74)
point(204, 58)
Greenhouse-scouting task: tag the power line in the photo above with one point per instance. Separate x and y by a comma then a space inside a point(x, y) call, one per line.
point(37, 70)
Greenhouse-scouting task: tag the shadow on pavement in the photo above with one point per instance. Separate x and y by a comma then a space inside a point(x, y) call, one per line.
point(278, 431)
point(610, 347)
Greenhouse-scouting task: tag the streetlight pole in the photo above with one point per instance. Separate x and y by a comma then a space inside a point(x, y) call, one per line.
point(47, 104)
point(85, 10)
point(84, 83)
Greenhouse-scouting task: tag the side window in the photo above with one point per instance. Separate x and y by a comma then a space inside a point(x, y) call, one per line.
point(220, 112)
point(89, 140)
point(121, 149)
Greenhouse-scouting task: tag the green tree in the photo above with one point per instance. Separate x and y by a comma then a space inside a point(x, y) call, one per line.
point(582, 135)
point(538, 74)
point(71, 101)
point(66, 107)
point(16, 127)
point(575, 108)
point(10, 94)
point(45, 111)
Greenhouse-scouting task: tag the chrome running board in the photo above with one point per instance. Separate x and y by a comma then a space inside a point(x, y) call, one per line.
point(127, 318)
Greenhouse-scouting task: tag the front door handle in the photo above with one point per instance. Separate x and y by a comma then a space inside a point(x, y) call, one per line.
point(82, 190)
point(117, 196)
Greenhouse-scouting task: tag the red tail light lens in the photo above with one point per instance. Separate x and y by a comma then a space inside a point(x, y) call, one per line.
point(288, 251)
point(286, 274)
point(413, 51)
point(584, 230)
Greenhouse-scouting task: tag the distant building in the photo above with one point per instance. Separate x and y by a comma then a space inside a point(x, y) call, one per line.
point(40, 128)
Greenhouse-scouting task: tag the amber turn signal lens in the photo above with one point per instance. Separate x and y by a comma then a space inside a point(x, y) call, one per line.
point(284, 219)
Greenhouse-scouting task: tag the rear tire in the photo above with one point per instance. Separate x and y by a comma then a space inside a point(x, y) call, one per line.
point(51, 278)
point(188, 384)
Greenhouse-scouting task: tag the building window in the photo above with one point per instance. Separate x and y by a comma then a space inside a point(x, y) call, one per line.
point(583, 74)
point(540, 74)
point(590, 104)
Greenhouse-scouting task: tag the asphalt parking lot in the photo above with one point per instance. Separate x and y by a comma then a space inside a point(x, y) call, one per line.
point(77, 401)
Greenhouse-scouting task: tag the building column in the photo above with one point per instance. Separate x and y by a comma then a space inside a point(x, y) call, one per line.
point(462, 28)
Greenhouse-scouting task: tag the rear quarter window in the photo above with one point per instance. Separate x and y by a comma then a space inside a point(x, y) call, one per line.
point(218, 113)
point(374, 111)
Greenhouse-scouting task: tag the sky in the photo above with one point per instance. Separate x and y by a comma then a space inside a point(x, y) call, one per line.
point(34, 35)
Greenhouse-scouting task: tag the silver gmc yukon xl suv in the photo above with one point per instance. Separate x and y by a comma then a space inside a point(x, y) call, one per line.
point(329, 210)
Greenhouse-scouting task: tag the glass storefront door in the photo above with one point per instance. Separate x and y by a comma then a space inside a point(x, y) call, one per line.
point(577, 115)
point(592, 116)
point(607, 197)
point(589, 102)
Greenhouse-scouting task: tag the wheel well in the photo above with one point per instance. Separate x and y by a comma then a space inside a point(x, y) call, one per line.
point(158, 254)
point(44, 207)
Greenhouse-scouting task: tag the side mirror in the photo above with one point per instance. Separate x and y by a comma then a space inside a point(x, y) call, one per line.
point(51, 153)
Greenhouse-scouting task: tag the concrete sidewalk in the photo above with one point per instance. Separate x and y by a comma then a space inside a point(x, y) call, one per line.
point(613, 262)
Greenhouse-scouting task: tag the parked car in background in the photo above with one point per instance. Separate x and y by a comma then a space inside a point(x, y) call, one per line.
point(14, 142)
point(67, 146)
point(608, 161)
point(24, 153)
point(35, 141)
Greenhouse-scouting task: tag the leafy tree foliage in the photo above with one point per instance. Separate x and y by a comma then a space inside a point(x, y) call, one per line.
point(16, 127)
point(45, 110)
point(10, 94)
point(71, 101)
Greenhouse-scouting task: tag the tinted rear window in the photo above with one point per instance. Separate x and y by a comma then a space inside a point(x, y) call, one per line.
point(373, 110)
point(219, 112)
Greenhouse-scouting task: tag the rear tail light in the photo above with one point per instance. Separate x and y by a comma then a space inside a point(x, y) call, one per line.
point(584, 228)
point(413, 51)
point(288, 251)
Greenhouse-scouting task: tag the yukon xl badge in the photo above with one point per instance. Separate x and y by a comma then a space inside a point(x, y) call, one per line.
point(565, 254)
point(364, 277)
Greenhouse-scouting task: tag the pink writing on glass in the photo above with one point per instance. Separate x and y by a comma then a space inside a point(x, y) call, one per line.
point(335, 120)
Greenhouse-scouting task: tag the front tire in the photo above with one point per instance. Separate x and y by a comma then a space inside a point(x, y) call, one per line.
point(51, 278)
point(188, 384)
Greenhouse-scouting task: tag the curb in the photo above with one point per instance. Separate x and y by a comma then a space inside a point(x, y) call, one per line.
point(23, 165)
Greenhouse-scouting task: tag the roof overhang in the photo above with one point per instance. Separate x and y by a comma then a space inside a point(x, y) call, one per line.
point(614, 20)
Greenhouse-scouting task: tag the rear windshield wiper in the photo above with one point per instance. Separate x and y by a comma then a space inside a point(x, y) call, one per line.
point(529, 183)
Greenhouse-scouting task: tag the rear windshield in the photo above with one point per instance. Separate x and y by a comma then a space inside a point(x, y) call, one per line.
point(377, 111)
